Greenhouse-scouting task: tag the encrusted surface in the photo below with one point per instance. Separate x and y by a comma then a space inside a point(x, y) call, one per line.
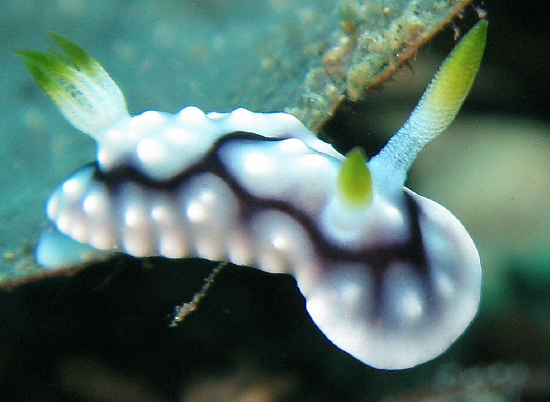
point(374, 40)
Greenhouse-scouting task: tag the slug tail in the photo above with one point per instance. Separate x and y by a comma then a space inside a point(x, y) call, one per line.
point(82, 90)
point(437, 107)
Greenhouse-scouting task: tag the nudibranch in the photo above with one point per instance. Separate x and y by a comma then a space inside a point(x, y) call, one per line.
point(389, 276)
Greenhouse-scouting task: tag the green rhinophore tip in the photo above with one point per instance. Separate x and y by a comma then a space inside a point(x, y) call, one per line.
point(436, 109)
point(354, 180)
point(449, 87)
point(83, 91)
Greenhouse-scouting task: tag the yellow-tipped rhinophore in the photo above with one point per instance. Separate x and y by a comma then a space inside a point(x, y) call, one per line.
point(449, 87)
point(354, 180)
point(83, 91)
point(436, 110)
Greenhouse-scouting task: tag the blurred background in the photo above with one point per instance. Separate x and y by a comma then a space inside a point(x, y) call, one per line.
point(102, 334)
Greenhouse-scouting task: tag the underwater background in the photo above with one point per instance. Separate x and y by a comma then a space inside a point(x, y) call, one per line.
point(102, 333)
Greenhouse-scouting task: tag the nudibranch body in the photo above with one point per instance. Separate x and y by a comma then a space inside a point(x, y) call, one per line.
point(389, 276)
